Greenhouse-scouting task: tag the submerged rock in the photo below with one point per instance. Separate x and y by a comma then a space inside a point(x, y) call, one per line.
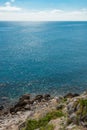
point(4, 98)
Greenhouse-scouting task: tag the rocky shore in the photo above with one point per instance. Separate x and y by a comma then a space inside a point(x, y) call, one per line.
point(67, 112)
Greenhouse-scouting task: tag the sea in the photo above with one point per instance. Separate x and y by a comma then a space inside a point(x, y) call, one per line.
point(42, 58)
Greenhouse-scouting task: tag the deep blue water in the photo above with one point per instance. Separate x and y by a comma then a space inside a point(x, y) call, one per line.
point(42, 57)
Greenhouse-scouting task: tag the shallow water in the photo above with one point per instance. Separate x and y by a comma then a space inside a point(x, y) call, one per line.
point(42, 57)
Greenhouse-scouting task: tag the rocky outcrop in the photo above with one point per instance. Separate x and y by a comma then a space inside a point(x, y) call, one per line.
point(73, 106)
point(17, 118)
point(77, 110)
point(71, 95)
point(25, 102)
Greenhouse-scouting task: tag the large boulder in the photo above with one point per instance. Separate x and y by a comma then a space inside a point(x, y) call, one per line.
point(25, 102)
point(21, 104)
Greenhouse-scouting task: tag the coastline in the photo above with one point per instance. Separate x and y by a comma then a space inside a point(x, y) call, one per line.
point(35, 108)
point(13, 117)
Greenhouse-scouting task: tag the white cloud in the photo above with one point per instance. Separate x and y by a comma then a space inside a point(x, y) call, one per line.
point(16, 14)
point(8, 8)
point(56, 11)
point(7, 4)
point(10, 12)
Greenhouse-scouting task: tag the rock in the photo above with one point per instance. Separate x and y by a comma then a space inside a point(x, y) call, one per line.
point(1, 108)
point(60, 106)
point(25, 102)
point(75, 95)
point(57, 99)
point(34, 103)
point(47, 97)
point(12, 110)
point(70, 108)
point(27, 107)
point(85, 93)
point(38, 98)
point(71, 127)
point(77, 111)
point(19, 113)
point(22, 125)
point(25, 97)
point(84, 124)
point(70, 95)
point(6, 112)
point(20, 106)
point(4, 98)
point(22, 103)
point(73, 118)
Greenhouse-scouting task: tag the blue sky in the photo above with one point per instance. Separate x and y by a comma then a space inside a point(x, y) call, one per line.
point(64, 4)
point(50, 9)
point(44, 4)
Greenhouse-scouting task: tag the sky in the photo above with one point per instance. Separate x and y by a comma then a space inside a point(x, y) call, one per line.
point(43, 10)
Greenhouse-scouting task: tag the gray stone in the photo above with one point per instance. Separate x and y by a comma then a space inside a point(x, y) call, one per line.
point(27, 107)
point(73, 118)
point(60, 106)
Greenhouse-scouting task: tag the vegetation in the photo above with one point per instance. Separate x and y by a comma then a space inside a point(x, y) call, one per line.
point(83, 107)
point(64, 100)
point(43, 122)
point(48, 127)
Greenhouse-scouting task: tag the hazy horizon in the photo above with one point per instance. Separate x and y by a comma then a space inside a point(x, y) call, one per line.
point(45, 10)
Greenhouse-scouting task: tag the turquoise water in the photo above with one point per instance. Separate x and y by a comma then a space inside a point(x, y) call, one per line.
point(42, 57)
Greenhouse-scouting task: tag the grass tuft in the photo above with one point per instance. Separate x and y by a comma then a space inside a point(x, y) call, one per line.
point(48, 127)
point(43, 122)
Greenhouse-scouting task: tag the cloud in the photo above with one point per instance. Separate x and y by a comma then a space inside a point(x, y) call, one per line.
point(7, 4)
point(13, 13)
point(57, 11)
point(16, 14)
point(9, 8)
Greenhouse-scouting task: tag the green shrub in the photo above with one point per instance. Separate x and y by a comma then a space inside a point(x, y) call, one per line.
point(83, 102)
point(43, 122)
point(32, 124)
point(48, 127)
point(83, 107)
